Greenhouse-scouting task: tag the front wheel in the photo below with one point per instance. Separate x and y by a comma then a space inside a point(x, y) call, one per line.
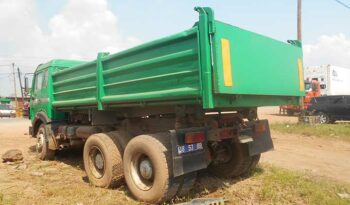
point(42, 145)
point(148, 168)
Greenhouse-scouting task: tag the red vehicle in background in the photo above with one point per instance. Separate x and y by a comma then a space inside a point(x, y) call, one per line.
point(312, 89)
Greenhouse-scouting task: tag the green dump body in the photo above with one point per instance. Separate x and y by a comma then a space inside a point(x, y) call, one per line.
point(212, 64)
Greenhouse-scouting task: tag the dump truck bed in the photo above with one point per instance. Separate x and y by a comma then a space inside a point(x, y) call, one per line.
point(212, 64)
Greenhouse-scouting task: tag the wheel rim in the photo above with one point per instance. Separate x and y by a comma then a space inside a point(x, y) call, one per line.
point(97, 162)
point(40, 142)
point(223, 154)
point(323, 118)
point(142, 172)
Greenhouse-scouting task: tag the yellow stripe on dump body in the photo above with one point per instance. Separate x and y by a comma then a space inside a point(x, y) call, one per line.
point(301, 75)
point(226, 62)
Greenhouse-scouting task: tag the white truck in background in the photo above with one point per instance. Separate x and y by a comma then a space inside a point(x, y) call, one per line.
point(333, 80)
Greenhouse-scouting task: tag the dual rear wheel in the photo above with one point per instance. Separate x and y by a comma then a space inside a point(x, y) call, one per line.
point(146, 166)
point(235, 160)
point(103, 160)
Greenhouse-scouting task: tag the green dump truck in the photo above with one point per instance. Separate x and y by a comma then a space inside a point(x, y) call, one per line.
point(157, 113)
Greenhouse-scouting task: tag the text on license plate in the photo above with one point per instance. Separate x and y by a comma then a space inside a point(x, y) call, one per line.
point(189, 148)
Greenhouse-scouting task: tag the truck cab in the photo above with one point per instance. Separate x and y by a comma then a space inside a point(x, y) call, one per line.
point(41, 92)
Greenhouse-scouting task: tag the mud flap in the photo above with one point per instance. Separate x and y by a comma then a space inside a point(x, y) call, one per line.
point(188, 162)
point(260, 132)
point(50, 138)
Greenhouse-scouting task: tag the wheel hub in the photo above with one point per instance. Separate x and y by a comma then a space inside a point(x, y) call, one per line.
point(146, 169)
point(96, 162)
point(99, 161)
point(222, 153)
point(323, 118)
point(142, 172)
point(40, 142)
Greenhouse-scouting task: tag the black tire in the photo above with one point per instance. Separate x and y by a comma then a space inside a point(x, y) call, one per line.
point(238, 163)
point(254, 160)
point(42, 146)
point(150, 152)
point(102, 161)
point(187, 182)
point(324, 118)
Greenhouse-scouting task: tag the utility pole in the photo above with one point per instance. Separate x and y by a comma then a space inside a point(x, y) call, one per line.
point(299, 37)
point(20, 83)
point(14, 84)
point(299, 21)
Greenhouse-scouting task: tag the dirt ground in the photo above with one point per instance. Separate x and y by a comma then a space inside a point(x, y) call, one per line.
point(34, 181)
point(323, 157)
point(272, 114)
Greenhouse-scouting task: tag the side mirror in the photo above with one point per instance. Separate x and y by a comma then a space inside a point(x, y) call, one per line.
point(28, 77)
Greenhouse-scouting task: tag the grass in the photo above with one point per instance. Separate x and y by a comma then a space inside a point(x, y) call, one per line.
point(340, 131)
point(8, 199)
point(272, 185)
point(267, 185)
point(281, 186)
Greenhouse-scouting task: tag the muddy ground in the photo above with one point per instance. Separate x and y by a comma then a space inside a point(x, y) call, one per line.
point(63, 180)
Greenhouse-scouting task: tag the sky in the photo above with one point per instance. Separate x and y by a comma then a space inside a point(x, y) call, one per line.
point(35, 31)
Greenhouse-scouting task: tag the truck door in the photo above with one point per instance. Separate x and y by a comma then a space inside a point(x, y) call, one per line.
point(39, 96)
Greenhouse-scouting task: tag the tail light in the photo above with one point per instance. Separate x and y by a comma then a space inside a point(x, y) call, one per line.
point(194, 137)
point(260, 127)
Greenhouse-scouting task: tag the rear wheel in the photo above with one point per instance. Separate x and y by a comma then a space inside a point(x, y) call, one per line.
point(253, 163)
point(324, 118)
point(103, 161)
point(148, 168)
point(42, 145)
point(231, 159)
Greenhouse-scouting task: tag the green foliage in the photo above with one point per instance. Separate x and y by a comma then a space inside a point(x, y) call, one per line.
point(339, 130)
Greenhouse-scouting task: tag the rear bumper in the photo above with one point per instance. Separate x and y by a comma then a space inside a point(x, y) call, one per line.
point(259, 141)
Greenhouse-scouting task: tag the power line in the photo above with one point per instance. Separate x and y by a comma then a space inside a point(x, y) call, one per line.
point(343, 4)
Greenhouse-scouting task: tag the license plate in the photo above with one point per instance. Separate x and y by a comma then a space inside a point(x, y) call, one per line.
point(189, 148)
